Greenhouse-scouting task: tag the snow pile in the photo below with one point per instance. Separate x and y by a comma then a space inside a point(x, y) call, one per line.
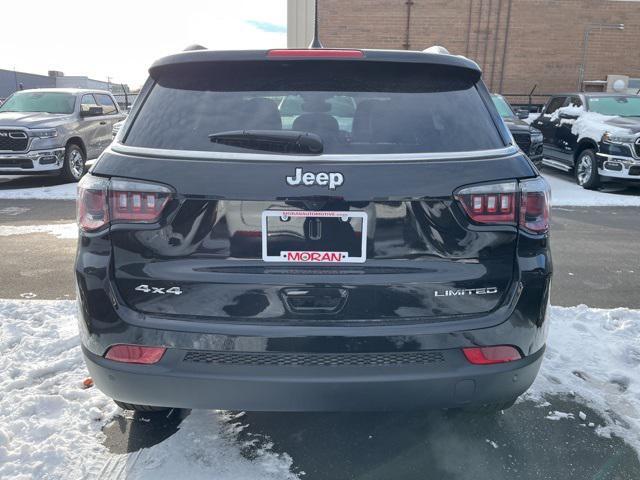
point(565, 192)
point(531, 117)
point(595, 355)
point(588, 124)
point(48, 424)
point(52, 428)
point(59, 230)
point(66, 191)
point(202, 449)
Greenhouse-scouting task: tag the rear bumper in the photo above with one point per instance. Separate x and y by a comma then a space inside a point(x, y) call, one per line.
point(448, 382)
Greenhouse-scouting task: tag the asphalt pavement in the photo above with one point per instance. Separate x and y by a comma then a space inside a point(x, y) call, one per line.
point(596, 263)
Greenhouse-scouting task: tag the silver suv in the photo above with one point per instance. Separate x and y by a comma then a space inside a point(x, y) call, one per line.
point(55, 130)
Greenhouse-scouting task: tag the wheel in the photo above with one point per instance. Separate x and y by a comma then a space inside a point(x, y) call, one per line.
point(140, 408)
point(586, 170)
point(74, 163)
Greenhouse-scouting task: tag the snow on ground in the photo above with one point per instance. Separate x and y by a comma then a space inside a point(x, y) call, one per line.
point(594, 354)
point(66, 191)
point(52, 428)
point(59, 230)
point(565, 192)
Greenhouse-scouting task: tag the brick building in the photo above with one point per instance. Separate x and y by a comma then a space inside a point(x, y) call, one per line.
point(518, 43)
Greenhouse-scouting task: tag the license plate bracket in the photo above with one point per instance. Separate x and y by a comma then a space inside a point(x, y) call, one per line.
point(299, 236)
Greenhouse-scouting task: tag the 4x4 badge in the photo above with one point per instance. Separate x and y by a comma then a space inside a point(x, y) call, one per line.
point(332, 179)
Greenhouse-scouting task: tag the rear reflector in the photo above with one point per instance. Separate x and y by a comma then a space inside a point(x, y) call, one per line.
point(491, 355)
point(135, 354)
point(317, 52)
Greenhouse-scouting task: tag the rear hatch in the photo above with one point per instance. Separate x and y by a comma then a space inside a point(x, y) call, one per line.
point(382, 225)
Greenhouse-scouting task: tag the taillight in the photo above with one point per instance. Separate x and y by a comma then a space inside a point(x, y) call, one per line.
point(102, 202)
point(91, 206)
point(132, 201)
point(491, 355)
point(535, 199)
point(135, 354)
point(525, 203)
point(495, 203)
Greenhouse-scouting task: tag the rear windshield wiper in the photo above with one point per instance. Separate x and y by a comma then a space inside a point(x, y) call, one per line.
point(281, 141)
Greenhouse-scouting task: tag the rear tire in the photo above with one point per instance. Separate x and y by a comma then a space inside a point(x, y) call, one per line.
point(586, 170)
point(140, 408)
point(74, 166)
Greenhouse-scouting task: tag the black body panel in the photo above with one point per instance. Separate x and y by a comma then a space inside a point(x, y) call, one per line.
point(381, 180)
point(242, 330)
point(419, 241)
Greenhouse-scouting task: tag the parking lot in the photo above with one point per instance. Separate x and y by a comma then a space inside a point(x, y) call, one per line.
point(578, 421)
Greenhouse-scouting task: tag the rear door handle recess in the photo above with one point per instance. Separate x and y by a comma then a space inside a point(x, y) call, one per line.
point(314, 300)
point(103, 123)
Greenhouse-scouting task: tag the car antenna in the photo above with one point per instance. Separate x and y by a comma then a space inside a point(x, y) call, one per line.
point(315, 43)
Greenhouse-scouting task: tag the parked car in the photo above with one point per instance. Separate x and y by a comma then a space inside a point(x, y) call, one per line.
point(528, 138)
point(594, 135)
point(55, 130)
point(443, 303)
point(116, 128)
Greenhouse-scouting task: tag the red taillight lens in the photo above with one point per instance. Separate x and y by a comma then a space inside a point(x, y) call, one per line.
point(137, 201)
point(102, 201)
point(526, 203)
point(535, 198)
point(135, 354)
point(491, 355)
point(92, 210)
point(315, 52)
point(490, 203)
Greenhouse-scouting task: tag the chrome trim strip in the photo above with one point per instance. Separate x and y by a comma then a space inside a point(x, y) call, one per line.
point(624, 173)
point(555, 164)
point(621, 158)
point(34, 157)
point(203, 155)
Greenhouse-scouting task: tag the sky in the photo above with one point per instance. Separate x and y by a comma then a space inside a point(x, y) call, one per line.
point(121, 38)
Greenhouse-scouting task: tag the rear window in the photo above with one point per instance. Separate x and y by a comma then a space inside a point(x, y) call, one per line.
point(355, 108)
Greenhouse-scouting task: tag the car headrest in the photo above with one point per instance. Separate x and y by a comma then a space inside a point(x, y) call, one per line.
point(318, 123)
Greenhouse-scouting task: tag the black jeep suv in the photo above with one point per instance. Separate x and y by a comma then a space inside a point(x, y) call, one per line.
point(594, 135)
point(528, 138)
point(381, 245)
